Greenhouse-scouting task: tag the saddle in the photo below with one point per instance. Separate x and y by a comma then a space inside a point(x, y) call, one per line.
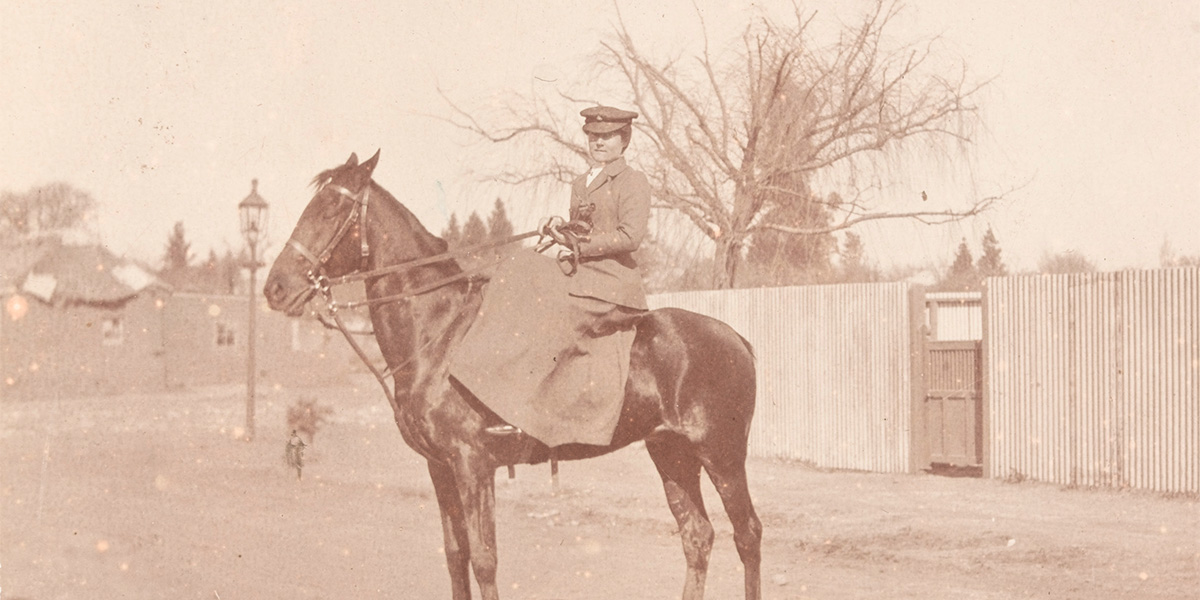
point(546, 361)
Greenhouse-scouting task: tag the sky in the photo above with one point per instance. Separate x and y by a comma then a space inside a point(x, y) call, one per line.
point(164, 112)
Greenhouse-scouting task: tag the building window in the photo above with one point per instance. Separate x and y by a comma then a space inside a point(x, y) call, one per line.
point(224, 334)
point(112, 331)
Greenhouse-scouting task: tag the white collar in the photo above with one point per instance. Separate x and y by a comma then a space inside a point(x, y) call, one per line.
point(593, 173)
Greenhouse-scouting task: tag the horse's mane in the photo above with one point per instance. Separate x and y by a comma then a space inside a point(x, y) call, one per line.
point(328, 174)
point(432, 242)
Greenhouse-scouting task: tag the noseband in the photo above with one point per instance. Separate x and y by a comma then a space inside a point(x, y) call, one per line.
point(358, 212)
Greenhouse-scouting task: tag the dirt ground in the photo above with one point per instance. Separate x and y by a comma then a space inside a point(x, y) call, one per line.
point(154, 496)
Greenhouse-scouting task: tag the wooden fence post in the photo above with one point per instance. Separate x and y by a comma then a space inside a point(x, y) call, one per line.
point(918, 451)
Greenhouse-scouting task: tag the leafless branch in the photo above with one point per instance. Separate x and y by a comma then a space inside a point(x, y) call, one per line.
point(733, 142)
point(850, 220)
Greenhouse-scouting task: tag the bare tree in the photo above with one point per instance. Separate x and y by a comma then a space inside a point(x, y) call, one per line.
point(732, 140)
point(54, 207)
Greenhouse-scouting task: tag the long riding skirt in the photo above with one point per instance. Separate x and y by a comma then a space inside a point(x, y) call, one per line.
point(544, 360)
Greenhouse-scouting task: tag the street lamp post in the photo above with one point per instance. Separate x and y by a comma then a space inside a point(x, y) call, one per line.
point(253, 215)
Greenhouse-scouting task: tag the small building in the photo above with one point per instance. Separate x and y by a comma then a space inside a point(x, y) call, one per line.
point(78, 318)
point(80, 321)
point(205, 343)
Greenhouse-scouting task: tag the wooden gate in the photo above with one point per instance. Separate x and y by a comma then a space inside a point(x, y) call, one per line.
point(947, 380)
point(953, 403)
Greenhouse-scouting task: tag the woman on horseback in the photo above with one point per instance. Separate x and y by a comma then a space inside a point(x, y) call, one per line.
point(549, 350)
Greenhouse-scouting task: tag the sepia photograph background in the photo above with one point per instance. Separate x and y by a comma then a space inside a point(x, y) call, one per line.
point(1073, 161)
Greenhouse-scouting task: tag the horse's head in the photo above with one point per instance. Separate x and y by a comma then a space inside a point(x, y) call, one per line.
point(328, 241)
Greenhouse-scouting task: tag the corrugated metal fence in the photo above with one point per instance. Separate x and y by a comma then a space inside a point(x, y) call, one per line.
point(833, 371)
point(1094, 379)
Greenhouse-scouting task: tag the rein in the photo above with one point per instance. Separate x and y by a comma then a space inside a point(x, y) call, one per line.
point(359, 213)
point(324, 285)
point(428, 260)
point(381, 376)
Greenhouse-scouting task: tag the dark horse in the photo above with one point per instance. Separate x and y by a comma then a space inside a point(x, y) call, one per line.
point(690, 393)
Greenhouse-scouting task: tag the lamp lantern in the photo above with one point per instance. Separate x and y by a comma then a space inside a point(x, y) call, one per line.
point(253, 213)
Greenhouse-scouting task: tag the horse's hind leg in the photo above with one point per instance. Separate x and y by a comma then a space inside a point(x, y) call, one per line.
point(730, 481)
point(680, 471)
point(454, 531)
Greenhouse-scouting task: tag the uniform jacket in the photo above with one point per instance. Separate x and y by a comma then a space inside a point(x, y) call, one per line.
point(617, 203)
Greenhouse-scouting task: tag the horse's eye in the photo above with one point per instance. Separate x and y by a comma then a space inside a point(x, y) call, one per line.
point(330, 205)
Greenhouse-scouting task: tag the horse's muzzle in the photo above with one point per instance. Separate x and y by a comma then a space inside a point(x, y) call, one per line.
point(288, 299)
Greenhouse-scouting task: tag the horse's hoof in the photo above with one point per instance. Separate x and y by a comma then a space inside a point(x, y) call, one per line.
point(505, 429)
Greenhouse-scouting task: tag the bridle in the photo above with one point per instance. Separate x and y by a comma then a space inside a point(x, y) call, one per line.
point(358, 212)
point(323, 285)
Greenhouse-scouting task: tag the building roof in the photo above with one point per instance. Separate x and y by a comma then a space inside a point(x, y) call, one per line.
point(16, 260)
point(59, 273)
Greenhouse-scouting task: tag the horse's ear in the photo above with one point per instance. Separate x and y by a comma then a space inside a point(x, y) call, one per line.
point(369, 164)
point(352, 161)
point(360, 175)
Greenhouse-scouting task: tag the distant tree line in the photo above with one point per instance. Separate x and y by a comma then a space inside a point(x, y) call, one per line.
point(58, 208)
point(214, 275)
point(46, 209)
point(772, 258)
point(476, 231)
point(1168, 257)
point(965, 273)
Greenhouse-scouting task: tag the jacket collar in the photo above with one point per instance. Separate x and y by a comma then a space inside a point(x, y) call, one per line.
point(611, 170)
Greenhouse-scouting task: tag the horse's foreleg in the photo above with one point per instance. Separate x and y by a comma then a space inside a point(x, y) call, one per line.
point(476, 489)
point(454, 530)
point(680, 472)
